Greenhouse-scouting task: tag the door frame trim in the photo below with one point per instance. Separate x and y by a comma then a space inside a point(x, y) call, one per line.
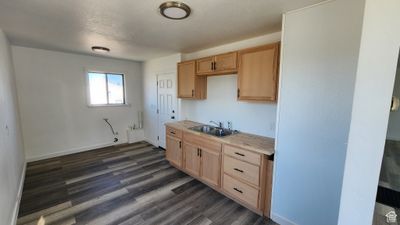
point(174, 73)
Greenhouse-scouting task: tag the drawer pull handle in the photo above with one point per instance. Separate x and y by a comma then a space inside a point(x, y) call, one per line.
point(172, 132)
point(237, 153)
point(241, 192)
point(239, 170)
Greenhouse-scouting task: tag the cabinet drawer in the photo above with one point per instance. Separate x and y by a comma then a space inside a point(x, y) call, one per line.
point(202, 141)
point(241, 191)
point(174, 132)
point(245, 155)
point(242, 170)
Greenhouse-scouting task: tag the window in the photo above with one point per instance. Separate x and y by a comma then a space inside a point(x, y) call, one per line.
point(106, 88)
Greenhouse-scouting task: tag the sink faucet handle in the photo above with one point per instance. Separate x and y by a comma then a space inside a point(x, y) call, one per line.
point(230, 125)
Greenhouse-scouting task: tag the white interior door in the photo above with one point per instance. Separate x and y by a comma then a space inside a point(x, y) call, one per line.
point(167, 103)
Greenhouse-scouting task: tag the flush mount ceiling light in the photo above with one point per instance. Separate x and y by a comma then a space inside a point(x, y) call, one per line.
point(175, 10)
point(100, 49)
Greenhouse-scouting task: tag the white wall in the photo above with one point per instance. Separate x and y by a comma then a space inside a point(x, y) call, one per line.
point(151, 69)
point(373, 90)
point(53, 101)
point(221, 103)
point(320, 48)
point(393, 132)
point(12, 159)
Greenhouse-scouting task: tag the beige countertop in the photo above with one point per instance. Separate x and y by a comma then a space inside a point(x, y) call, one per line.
point(251, 142)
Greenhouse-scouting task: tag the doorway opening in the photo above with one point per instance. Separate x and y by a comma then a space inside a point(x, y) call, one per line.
point(387, 206)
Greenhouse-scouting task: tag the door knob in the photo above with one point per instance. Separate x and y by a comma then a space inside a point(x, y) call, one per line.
point(173, 117)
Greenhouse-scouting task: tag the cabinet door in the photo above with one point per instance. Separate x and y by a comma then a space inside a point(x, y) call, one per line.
point(174, 150)
point(226, 63)
point(186, 79)
point(210, 166)
point(268, 189)
point(258, 73)
point(204, 66)
point(192, 159)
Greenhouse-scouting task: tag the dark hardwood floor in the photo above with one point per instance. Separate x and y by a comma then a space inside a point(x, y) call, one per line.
point(125, 184)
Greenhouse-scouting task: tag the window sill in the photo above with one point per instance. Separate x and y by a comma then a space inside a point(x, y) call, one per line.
point(109, 105)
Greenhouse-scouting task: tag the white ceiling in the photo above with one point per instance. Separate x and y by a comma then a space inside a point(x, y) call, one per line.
point(134, 29)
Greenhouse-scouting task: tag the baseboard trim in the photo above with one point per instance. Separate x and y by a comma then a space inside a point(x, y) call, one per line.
point(19, 195)
point(281, 220)
point(69, 151)
point(151, 142)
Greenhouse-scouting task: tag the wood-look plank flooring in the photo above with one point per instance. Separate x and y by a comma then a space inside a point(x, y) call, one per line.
point(124, 184)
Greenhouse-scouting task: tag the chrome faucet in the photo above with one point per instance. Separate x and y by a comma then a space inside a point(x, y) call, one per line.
point(219, 124)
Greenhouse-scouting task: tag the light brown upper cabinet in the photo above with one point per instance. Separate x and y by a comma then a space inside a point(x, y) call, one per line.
point(205, 66)
point(190, 86)
point(226, 63)
point(217, 65)
point(258, 73)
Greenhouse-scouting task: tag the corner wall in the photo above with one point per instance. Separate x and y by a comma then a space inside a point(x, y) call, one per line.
point(12, 159)
point(320, 49)
point(379, 52)
point(151, 69)
point(52, 92)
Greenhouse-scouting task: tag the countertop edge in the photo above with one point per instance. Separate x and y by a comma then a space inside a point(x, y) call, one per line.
point(176, 125)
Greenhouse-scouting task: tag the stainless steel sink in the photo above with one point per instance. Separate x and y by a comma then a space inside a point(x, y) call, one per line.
point(211, 130)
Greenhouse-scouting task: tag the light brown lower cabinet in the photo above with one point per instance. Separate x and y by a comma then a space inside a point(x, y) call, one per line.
point(241, 191)
point(241, 174)
point(245, 177)
point(174, 150)
point(210, 166)
point(191, 158)
point(268, 189)
point(202, 162)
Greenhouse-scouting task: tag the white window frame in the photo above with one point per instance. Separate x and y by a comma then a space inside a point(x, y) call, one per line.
point(87, 71)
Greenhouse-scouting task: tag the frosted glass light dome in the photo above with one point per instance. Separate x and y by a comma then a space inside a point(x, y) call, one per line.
point(174, 10)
